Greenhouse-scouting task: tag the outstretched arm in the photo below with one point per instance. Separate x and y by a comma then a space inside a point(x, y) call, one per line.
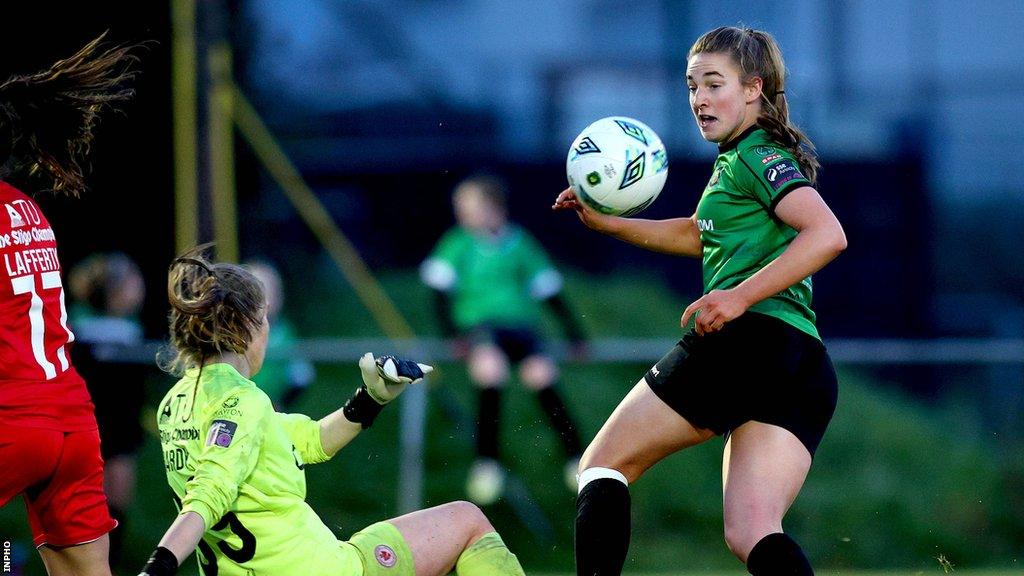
point(177, 544)
point(677, 236)
point(336, 431)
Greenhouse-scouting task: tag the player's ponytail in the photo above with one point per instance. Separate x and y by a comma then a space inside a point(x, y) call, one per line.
point(215, 309)
point(758, 56)
point(47, 118)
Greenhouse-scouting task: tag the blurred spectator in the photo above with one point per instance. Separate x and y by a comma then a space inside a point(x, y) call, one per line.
point(108, 293)
point(490, 277)
point(283, 379)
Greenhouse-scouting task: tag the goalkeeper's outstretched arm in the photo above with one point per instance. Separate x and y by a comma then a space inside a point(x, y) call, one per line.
point(336, 431)
point(178, 543)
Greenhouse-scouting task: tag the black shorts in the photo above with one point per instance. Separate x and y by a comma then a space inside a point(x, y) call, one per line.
point(516, 343)
point(756, 367)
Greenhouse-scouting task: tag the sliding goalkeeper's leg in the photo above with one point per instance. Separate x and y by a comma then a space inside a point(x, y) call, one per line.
point(488, 556)
point(437, 540)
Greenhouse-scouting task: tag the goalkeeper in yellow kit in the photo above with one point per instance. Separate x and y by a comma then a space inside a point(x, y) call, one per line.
point(236, 466)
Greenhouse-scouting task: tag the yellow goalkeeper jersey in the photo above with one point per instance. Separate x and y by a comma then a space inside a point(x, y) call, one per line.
point(239, 464)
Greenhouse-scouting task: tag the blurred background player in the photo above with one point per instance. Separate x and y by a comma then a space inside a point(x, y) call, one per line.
point(236, 466)
point(283, 379)
point(490, 277)
point(108, 292)
point(49, 440)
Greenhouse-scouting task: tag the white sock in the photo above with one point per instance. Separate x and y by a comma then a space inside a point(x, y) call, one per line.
point(591, 474)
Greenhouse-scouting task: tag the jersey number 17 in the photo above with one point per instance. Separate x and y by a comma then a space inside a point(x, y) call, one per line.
point(37, 325)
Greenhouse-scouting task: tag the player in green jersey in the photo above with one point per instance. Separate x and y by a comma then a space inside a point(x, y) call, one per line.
point(752, 367)
point(108, 292)
point(236, 466)
point(283, 379)
point(492, 279)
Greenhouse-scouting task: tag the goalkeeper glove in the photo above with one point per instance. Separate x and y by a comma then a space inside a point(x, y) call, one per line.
point(384, 379)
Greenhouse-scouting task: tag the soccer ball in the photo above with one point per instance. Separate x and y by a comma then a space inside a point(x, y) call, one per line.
point(617, 165)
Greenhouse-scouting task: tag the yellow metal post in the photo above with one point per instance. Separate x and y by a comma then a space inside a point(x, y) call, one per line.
point(222, 153)
point(319, 220)
point(347, 258)
point(183, 86)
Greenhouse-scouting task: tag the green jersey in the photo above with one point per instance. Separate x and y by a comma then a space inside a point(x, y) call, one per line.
point(239, 464)
point(498, 280)
point(738, 226)
point(278, 375)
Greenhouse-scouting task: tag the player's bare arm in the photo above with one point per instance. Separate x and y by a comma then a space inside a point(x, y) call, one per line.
point(676, 236)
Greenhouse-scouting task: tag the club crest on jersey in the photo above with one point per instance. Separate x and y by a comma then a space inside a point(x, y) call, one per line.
point(231, 402)
point(715, 176)
point(221, 433)
point(385, 555)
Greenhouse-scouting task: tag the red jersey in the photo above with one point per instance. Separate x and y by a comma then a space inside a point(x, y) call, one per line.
point(38, 385)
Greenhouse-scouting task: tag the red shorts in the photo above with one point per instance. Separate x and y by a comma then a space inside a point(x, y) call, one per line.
point(61, 476)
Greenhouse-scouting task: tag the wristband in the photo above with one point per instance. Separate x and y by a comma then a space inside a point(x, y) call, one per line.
point(161, 563)
point(361, 408)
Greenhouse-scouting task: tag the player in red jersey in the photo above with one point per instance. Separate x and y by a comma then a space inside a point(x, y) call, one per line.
point(49, 441)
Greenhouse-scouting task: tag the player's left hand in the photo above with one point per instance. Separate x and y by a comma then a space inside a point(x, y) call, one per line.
point(386, 377)
point(713, 310)
point(593, 219)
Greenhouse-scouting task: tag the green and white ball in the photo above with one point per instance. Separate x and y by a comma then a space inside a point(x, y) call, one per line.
point(617, 165)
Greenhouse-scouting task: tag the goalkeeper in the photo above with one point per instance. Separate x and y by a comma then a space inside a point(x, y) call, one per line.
point(236, 466)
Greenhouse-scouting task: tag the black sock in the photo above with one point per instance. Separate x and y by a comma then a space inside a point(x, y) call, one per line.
point(558, 415)
point(488, 423)
point(602, 528)
point(778, 555)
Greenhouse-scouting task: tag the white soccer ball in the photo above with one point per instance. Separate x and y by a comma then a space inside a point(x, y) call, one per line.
point(617, 165)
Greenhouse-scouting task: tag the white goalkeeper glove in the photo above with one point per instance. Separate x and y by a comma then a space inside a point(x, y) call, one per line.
point(384, 379)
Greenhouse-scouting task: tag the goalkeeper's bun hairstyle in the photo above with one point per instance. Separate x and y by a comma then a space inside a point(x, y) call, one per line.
point(215, 308)
point(757, 55)
point(47, 118)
